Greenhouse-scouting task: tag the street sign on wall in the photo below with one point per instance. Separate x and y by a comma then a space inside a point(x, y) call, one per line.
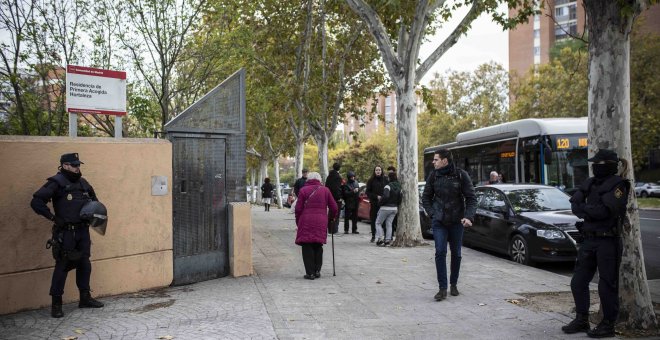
point(93, 90)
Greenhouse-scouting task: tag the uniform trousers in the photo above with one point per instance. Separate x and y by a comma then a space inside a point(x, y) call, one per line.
point(73, 240)
point(602, 253)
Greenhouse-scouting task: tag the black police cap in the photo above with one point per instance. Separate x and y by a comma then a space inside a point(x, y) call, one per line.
point(604, 155)
point(71, 158)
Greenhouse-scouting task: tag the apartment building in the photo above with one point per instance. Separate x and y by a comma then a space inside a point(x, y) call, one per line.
point(530, 43)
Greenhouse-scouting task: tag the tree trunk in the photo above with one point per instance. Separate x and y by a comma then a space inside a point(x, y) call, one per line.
point(322, 142)
point(253, 188)
point(609, 128)
point(278, 190)
point(408, 232)
point(300, 156)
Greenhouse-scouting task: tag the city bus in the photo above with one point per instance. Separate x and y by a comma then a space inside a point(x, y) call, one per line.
point(550, 151)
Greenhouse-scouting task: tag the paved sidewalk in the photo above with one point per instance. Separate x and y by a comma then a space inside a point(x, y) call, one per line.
point(378, 293)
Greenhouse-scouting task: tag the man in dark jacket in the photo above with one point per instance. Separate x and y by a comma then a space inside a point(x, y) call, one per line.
point(350, 195)
point(300, 182)
point(333, 183)
point(71, 242)
point(450, 201)
point(601, 201)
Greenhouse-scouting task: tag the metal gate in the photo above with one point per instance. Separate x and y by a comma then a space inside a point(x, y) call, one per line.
point(200, 212)
point(208, 163)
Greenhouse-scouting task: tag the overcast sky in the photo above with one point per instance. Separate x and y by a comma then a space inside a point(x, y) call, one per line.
point(483, 43)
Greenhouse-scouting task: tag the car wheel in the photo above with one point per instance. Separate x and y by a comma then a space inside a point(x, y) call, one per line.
point(519, 251)
point(644, 194)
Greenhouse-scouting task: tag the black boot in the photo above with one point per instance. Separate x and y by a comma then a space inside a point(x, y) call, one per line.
point(579, 324)
point(87, 301)
point(605, 329)
point(56, 307)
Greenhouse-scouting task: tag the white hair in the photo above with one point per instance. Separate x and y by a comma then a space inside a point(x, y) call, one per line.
point(314, 175)
point(493, 173)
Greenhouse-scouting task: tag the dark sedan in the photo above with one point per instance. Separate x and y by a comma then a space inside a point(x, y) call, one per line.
point(530, 223)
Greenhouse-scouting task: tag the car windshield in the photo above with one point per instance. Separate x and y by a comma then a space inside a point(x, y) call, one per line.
point(538, 199)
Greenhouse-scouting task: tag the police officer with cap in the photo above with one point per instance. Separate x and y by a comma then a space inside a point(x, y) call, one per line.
point(601, 202)
point(71, 242)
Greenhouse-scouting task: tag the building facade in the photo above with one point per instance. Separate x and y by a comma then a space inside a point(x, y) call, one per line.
point(530, 42)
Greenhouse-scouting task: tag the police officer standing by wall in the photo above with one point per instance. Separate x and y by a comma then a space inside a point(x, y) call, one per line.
point(601, 202)
point(71, 242)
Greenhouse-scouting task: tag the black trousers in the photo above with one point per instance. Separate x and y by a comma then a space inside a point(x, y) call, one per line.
point(79, 240)
point(312, 254)
point(602, 253)
point(350, 215)
point(373, 212)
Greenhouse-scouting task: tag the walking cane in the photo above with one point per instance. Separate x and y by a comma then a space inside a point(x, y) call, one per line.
point(333, 254)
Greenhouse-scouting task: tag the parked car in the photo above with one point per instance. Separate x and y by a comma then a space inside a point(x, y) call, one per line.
point(529, 222)
point(289, 195)
point(645, 189)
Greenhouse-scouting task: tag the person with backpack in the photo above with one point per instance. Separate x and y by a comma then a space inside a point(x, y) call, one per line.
point(450, 201)
point(389, 204)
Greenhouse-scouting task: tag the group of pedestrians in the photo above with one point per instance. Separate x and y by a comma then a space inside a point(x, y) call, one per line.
point(449, 200)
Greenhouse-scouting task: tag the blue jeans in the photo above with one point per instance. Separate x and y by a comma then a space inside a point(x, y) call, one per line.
point(441, 235)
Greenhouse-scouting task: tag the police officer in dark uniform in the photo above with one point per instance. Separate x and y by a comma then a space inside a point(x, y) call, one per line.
point(601, 202)
point(71, 242)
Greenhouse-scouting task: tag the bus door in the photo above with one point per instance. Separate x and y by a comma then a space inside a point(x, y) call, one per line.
point(529, 161)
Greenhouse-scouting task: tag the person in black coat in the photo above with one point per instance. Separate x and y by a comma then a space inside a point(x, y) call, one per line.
point(375, 186)
point(300, 182)
point(69, 192)
point(333, 183)
point(267, 193)
point(601, 202)
point(350, 195)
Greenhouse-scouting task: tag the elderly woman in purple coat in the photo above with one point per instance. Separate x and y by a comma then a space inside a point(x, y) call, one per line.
point(312, 206)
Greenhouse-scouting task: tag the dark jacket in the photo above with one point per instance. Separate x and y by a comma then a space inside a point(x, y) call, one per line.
point(300, 182)
point(390, 199)
point(375, 187)
point(267, 190)
point(68, 198)
point(601, 203)
point(312, 212)
point(333, 183)
point(349, 195)
point(449, 197)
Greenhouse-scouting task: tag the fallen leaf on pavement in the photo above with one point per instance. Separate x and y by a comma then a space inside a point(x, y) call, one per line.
point(70, 338)
point(404, 259)
point(514, 301)
point(378, 281)
point(79, 331)
point(482, 304)
point(166, 337)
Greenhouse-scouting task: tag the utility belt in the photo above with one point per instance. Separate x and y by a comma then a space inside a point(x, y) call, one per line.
point(592, 234)
point(72, 226)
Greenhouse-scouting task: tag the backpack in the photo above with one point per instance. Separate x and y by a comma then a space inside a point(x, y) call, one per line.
point(396, 195)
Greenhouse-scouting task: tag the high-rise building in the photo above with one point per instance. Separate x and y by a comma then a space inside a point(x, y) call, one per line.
point(530, 42)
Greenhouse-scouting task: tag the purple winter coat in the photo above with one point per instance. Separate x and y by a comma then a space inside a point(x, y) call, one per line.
point(312, 217)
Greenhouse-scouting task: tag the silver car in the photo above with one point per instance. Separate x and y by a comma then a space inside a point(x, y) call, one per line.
point(647, 189)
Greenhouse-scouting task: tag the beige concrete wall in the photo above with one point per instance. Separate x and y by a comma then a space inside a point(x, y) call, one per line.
point(135, 253)
point(240, 239)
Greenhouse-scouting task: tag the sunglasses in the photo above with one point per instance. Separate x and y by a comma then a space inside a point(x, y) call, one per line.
point(72, 165)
